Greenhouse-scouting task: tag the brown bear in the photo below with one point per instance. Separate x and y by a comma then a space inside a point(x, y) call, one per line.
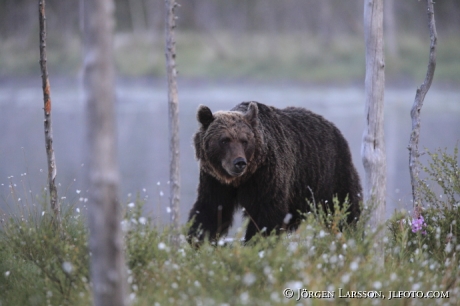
point(271, 162)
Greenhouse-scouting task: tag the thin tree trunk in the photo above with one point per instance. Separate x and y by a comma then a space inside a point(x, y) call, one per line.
point(373, 147)
point(105, 242)
point(54, 203)
point(417, 107)
point(174, 178)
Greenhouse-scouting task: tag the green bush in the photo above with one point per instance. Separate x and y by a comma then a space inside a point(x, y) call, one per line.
point(437, 242)
point(41, 266)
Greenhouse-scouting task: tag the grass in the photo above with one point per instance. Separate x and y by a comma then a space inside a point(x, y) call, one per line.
point(41, 267)
point(293, 56)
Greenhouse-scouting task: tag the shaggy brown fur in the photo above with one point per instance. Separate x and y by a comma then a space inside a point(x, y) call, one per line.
point(272, 162)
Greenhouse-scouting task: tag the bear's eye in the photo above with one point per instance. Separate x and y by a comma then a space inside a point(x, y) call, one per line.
point(244, 142)
point(225, 140)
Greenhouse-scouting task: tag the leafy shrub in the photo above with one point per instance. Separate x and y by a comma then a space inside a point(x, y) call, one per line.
point(41, 265)
point(435, 236)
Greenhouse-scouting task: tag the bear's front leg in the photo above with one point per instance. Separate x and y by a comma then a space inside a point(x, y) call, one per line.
point(265, 197)
point(212, 213)
point(265, 215)
point(264, 226)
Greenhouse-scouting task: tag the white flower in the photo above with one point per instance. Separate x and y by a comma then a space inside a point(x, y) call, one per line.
point(354, 266)
point(67, 267)
point(249, 279)
point(294, 285)
point(345, 278)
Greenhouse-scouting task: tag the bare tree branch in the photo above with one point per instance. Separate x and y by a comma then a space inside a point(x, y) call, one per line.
point(420, 94)
point(173, 104)
point(54, 203)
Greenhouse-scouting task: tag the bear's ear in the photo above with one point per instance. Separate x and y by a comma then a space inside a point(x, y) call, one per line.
point(204, 116)
point(252, 113)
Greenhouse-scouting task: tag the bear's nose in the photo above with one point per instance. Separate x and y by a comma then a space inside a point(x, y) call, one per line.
point(239, 163)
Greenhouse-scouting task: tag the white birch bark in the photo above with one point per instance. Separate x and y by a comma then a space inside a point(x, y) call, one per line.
point(173, 103)
point(105, 242)
point(373, 146)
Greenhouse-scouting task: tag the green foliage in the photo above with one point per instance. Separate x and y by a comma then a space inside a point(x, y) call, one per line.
point(324, 254)
point(40, 265)
point(444, 171)
point(236, 274)
point(437, 244)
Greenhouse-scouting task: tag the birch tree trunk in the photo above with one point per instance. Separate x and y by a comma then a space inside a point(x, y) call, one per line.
point(373, 147)
point(173, 104)
point(417, 107)
point(54, 203)
point(105, 242)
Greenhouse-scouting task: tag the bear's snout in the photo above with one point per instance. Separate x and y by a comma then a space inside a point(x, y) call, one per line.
point(239, 164)
point(235, 167)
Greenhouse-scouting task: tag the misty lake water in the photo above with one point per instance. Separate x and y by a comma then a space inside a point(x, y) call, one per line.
point(143, 133)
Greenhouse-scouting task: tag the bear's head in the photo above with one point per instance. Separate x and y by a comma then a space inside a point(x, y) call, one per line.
point(227, 142)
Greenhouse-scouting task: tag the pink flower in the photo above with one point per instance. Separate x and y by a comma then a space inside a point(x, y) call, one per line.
point(418, 224)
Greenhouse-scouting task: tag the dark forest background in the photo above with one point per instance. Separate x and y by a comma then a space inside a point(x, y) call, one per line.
point(314, 17)
point(264, 38)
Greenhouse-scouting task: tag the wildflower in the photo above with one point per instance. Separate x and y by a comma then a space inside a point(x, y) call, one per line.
point(418, 223)
point(249, 279)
